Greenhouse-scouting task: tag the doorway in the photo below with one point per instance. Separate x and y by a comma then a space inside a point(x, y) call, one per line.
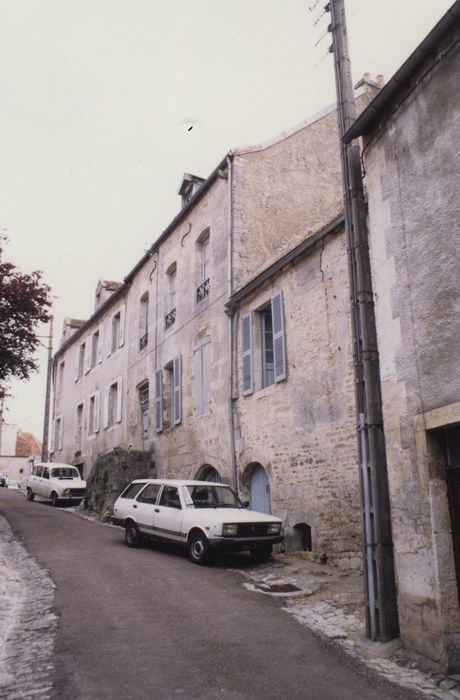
point(452, 453)
point(260, 490)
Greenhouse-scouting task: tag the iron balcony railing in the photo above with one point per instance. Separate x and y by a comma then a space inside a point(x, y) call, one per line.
point(203, 290)
point(143, 341)
point(170, 318)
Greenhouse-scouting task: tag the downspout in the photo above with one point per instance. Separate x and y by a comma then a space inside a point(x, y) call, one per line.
point(230, 356)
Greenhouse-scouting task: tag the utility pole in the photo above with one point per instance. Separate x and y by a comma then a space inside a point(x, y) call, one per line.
point(46, 422)
point(382, 616)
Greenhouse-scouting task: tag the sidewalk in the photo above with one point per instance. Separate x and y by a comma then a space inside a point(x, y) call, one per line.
point(330, 602)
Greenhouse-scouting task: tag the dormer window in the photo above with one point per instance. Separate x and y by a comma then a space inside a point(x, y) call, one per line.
point(189, 186)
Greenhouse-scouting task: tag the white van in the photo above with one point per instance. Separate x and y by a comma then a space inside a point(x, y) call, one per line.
point(55, 481)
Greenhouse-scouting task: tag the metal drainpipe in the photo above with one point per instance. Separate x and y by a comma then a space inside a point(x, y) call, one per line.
point(382, 614)
point(231, 420)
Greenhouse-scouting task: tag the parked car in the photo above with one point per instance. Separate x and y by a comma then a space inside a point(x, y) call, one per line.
point(3, 479)
point(200, 515)
point(55, 481)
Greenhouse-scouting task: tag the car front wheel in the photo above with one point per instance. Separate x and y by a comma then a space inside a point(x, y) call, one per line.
point(54, 499)
point(133, 537)
point(30, 495)
point(198, 548)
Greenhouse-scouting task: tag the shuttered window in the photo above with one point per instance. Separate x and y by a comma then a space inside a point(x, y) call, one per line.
point(177, 390)
point(279, 343)
point(246, 340)
point(159, 400)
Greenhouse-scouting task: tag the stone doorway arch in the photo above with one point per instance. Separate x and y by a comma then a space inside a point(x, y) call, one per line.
point(209, 473)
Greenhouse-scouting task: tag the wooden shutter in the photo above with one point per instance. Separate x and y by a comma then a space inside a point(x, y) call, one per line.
point(87, 360)
point(97, 402)
point(100, 344)
point(206, 375)
point(198, 382)
point(118, 413)
point(61, 432)
point(279, 343)
point(121, 334)
point(159, 400)
point(177, 385)
point(77, 363)
point(109, 337)
point(246, 339)
point(106, 407)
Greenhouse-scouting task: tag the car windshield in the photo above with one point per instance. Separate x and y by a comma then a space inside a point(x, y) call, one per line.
point(212, 496)
point(65, 473)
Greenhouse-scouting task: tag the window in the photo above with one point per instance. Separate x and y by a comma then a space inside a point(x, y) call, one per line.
point(171, 300)
point(116, 335)
point(144, 411)
point(174, 394)
point(170, 497)
point(93, 424)
point(203, 377)
point(204, 264)
point(78, 427)
point(60, 378)
point(113, 404)
point(80, 361)
point(270, 338)
point(149, 494)
point(266, 336)
point(94, 349)
point(144, 321)
point(58, 434)
point(132, 490)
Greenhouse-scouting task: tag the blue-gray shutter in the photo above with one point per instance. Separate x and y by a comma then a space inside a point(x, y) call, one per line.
point(279, 343)
point(177, 384)
point(246, 335)
point(159, 400)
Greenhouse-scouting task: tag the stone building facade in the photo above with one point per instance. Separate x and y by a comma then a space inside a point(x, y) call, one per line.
point(160, 364)
point(412, 166)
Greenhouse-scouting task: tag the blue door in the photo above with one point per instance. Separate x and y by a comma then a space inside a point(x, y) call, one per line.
point(260, 490)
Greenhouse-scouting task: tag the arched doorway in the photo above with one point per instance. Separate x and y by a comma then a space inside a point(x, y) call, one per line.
point(208, 473)
point(260, 490)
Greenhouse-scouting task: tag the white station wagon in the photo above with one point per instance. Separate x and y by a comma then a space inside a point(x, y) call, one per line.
point(201, 515)
point(58, 482)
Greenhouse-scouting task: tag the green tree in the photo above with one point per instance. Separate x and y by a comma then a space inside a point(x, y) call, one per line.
point(24, 304)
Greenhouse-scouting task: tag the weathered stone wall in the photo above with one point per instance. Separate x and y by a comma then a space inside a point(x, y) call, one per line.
point(110, 475)
point(302, 431)
point(283, 193)
point(412, 179)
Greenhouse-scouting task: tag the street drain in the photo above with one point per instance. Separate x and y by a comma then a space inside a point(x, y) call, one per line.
point(278, 588)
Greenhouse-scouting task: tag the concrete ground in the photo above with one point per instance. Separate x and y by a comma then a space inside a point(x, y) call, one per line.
point(325, 599)
point(330, 602)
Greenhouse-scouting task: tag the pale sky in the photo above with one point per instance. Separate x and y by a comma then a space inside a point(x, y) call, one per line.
point(98, 97)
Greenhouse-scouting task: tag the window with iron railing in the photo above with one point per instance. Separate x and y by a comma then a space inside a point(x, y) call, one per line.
point(203, 290)
point(143, 341)
point(170, 318)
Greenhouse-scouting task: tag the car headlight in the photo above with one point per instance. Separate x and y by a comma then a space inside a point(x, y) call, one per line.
point(66, 492)
point(229, 529)
point(274, 529)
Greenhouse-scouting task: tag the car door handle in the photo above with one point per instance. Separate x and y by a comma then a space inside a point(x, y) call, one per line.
point(134, 505)
point(157, 510)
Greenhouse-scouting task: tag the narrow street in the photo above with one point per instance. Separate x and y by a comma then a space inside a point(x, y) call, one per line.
point(147, 623)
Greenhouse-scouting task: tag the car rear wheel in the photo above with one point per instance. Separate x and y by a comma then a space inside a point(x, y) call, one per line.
point(199, 549)
point(262, 554)
point(30, 495)
point(133, 537)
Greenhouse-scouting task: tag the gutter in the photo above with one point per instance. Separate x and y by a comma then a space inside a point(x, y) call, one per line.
point(369, 119)
point(299, 251)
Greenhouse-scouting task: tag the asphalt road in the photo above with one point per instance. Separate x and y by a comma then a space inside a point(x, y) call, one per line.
point(147, 623)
